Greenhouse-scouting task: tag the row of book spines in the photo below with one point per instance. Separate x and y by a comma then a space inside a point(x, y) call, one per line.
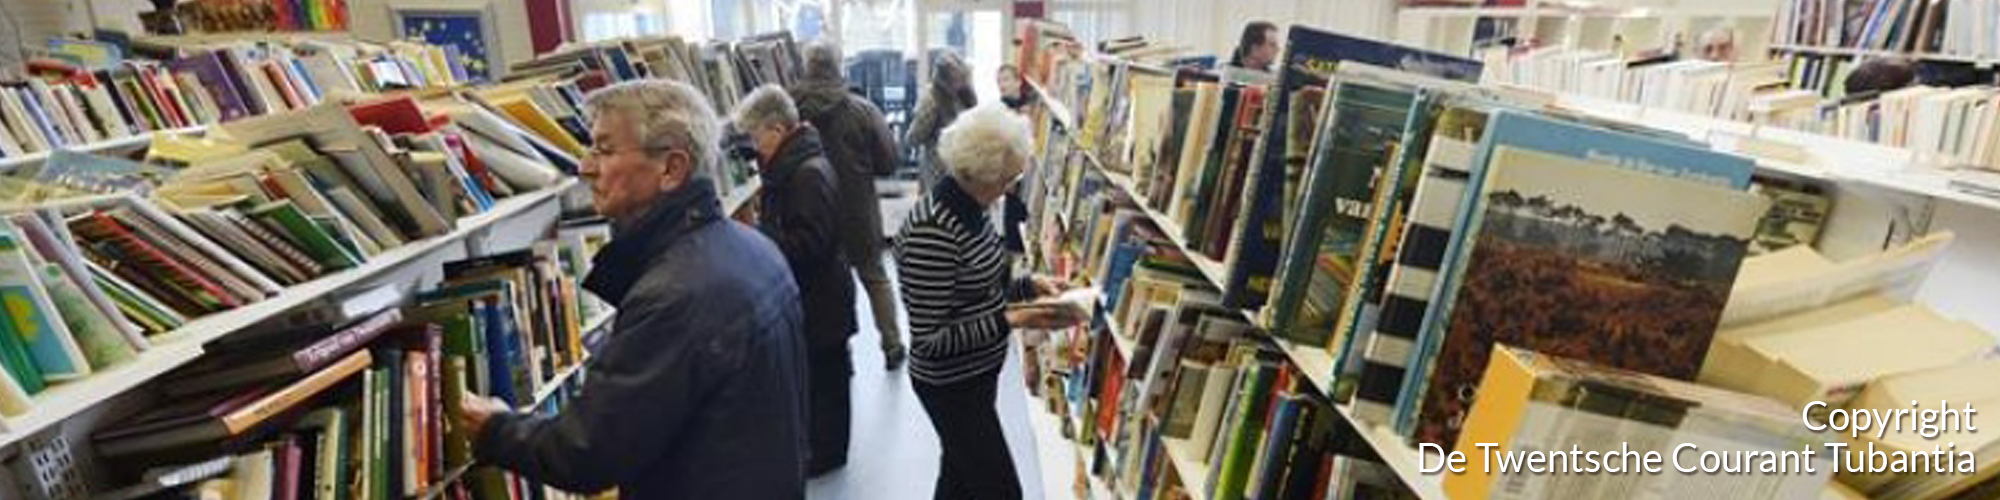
point(203, 89)
point(1272, 442)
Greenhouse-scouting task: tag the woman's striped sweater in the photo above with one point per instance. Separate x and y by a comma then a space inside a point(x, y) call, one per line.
point(956, 284)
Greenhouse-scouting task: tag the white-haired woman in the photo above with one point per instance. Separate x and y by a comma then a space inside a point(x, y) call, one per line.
point(956, 284)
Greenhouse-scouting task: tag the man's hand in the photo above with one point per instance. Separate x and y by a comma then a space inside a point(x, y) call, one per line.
point(747, 214)
point(475, 410)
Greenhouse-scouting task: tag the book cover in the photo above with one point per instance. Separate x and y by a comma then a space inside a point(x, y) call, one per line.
point(1208, 170)
point(1663, 156)
point(1424, 237)
point(1364, 125)
point(1214, 241)
point(215, 76)
point(1640, 288)
point(357, 152)
point(1310, 56)
point(284, 218)
point(54, 245)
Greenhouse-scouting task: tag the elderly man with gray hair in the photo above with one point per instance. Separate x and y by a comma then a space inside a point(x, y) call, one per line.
point(800, 211)
point(698, 393)
point(860, 146)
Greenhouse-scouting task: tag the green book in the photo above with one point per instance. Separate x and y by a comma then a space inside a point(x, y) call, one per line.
point(103, 345)
point(1246, 427)
point(287, 220)
point(14, 357)
point(333, 452)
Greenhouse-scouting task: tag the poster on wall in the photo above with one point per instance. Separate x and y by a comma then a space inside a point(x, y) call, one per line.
point(465, 30)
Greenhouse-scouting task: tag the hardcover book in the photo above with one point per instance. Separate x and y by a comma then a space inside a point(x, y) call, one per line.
point(1586, 260)
point(1310, 56)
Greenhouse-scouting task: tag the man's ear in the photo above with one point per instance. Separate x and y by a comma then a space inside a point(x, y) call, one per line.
point(678, 167)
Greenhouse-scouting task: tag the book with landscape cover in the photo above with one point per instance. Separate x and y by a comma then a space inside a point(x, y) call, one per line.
point(1631, 278)
point(1310, 56)
point(1665, 155)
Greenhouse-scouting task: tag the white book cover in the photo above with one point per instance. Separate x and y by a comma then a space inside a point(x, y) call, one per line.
point(106, 111)
point(54, 243)
point(24, 127)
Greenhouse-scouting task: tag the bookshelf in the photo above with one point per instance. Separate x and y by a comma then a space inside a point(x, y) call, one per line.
point(1315, 363)
point(13, 162)
point(184, 345)
point(1853, 52)
point(1625, 26)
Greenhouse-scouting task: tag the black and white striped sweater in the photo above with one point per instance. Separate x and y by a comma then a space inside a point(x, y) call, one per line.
point(956, 284)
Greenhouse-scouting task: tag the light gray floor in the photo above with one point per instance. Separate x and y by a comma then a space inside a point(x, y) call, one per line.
point(894, 453)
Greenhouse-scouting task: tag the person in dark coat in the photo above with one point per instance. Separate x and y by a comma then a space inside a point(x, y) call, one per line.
point(800, 210)
point(699, 390)
point(949, 93)
point(860, 146)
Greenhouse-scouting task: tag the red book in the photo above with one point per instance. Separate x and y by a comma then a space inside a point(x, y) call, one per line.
point(398, 115)
point(473, 165)
point(283, 82)
point(286, 18)
point(170, 111)
point(290, 459)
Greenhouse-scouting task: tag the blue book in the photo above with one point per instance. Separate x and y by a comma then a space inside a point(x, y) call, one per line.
point(1310, 57)
point(38, 114)
point(1659, 157)
point(1277, 447)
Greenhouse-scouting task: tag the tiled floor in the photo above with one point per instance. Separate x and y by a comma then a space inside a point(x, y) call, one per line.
point(894, 453)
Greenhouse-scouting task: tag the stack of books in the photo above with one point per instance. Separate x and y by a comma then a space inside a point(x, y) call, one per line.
point(362, 411)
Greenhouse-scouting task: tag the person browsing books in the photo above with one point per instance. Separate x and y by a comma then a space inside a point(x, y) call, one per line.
point(860, 146)
point(1257, 48)
point(698, 391)
point(956, 285)
point(800, 210)
point(949, 93)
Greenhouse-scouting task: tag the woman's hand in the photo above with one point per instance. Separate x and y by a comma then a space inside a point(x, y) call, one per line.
point(1045, 286)
point(1042, 318)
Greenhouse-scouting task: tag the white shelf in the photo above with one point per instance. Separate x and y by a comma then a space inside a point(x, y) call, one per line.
point(183, 345)
point(1399, 457)
point(12, 162)
point(1849, 51)
point(1316, 363)
point(1188, 463)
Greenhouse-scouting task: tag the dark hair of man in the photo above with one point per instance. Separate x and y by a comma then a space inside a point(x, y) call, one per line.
point(1880, 75)
point(1254, 34)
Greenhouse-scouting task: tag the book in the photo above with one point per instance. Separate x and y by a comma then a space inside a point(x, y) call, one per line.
point(1534, 401)
point(264, 366)
point(242, 419)
point(358, 155)
point(1674, 246)
point(284, 218)
point(33, 318)
point(1309, 56)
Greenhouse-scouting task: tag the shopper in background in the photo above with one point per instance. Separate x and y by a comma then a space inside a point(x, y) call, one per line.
point(800, 209)
point(1013, 88)
point(956, 284)
point(698, 391)
point(1717, 44)
point(1258, 47)
point(860, 146)
point(949, 93)
point(1879, 75)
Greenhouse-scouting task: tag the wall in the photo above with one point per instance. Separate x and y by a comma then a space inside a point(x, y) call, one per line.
point(1213, 26)
point(371, 20)
point(26, 26)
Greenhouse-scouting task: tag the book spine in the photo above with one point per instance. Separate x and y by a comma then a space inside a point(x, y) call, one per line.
point(320, 353)
point(277, 402)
